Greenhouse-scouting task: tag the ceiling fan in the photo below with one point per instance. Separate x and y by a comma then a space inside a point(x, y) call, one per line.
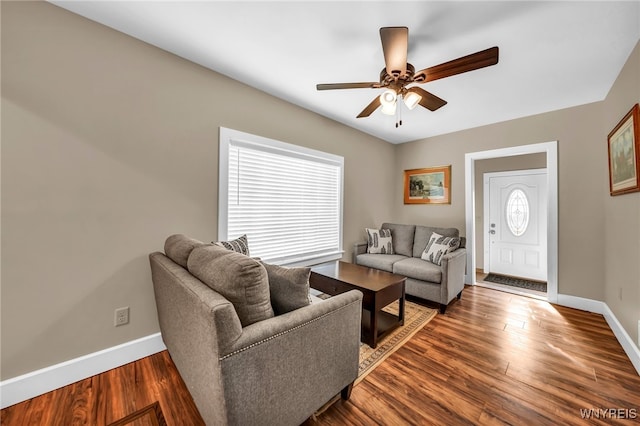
point(398, 75)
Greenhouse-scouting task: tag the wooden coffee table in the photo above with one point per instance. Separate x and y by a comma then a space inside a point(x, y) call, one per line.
point(379, 288)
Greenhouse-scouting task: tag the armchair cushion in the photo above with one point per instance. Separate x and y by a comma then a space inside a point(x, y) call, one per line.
point(178, 247)
point(288, 287)
point(438, 246)
point(241, 280)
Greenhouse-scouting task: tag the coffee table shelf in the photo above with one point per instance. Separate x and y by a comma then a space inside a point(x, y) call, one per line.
point(386, 323)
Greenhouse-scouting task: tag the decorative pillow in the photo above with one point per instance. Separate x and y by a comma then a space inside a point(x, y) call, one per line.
point(379, 241)
point(240, 245)
point(438, 246)
point(178, 247)
point(240, 279)
point(288, 287)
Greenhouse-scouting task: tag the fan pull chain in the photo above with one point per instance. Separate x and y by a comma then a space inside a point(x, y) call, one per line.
point(398, 114)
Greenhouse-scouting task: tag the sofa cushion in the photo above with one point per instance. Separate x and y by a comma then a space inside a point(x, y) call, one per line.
point(423, 233)
point(240, 245)
point(403, 236)
point(418, 269)
point(438, 246)
point(241, 280)
point(288, 287)
point(383, 262)
point(379, 241)
point(178, 247)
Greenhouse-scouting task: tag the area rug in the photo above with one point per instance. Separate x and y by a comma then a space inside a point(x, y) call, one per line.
point(517, 282)
point(415, 318)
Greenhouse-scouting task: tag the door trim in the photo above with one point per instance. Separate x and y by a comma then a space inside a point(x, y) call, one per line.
point(486, 206)
point(551, 151)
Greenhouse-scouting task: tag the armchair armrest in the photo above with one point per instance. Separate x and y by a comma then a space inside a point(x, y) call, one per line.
point(262, 331)
point(286, 367)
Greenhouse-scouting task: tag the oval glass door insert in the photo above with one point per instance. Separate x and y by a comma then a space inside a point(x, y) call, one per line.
point(517, 212)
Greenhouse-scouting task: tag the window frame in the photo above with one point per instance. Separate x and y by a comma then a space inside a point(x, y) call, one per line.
point(229, 137)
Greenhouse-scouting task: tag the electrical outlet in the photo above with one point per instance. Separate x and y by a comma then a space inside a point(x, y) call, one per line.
point(121, 316)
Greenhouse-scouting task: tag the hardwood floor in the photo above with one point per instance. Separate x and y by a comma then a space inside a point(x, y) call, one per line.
point(493, 358)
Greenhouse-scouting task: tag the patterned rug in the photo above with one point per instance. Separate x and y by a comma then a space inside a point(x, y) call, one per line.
point(415, 317)
point(517, 282)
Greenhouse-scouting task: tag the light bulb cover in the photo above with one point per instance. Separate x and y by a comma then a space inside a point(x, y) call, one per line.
point(388, 97)
point(411, 99)
point(389, 109)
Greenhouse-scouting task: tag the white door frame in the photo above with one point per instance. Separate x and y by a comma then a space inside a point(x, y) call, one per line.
point(551, 151)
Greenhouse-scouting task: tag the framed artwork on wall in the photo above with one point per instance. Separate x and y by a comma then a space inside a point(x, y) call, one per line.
point(624, 155)
point(431, 185)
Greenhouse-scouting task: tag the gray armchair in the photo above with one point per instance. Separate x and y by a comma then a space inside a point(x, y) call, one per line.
point(276, 371)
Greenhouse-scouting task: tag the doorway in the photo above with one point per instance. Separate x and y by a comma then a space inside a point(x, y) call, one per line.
point(515, 224)
point(515, 231)
point(551, 255)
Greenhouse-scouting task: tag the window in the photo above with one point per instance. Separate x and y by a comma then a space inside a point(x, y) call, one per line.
point(286, 198)
point(517, 212)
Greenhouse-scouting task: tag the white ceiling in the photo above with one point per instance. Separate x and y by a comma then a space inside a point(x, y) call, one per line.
point(553, 55)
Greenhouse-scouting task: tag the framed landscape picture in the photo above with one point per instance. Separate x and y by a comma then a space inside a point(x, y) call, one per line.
point(624, 155)
point(428, 186)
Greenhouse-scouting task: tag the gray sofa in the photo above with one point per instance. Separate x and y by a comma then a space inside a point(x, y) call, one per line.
point(278, 370)
point(426, 280)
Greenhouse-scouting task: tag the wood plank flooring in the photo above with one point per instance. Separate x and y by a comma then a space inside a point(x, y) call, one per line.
point(494, 358)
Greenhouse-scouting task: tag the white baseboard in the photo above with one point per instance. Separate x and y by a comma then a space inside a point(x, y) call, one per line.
point(581, 303)
point(595, 306)
point(629, 346)
point(30, 385)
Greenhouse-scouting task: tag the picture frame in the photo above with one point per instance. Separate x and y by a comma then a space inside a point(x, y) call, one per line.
point(431, 185)
point(624, 154)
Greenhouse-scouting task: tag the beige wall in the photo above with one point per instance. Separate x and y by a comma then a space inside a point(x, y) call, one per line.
point(109, 145)
point(622, 213)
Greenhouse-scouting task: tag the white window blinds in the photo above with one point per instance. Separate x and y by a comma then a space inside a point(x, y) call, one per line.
point(285, 198)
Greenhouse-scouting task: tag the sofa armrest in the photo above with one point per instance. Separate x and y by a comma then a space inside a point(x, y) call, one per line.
point(453, 268)
point(283, 369)
point(359, 248)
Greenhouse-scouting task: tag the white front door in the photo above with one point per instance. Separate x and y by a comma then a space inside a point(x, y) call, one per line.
point(516, 227)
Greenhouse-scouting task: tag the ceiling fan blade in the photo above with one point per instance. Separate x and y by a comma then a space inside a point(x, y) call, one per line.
point(333, 86)
point(471, 62)
point(395, 42)
point(429, 100)
point(370, 108)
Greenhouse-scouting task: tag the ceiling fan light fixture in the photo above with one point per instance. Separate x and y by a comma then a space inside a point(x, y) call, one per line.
point(389, 109)
point(411, 99)
point(388, 98)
